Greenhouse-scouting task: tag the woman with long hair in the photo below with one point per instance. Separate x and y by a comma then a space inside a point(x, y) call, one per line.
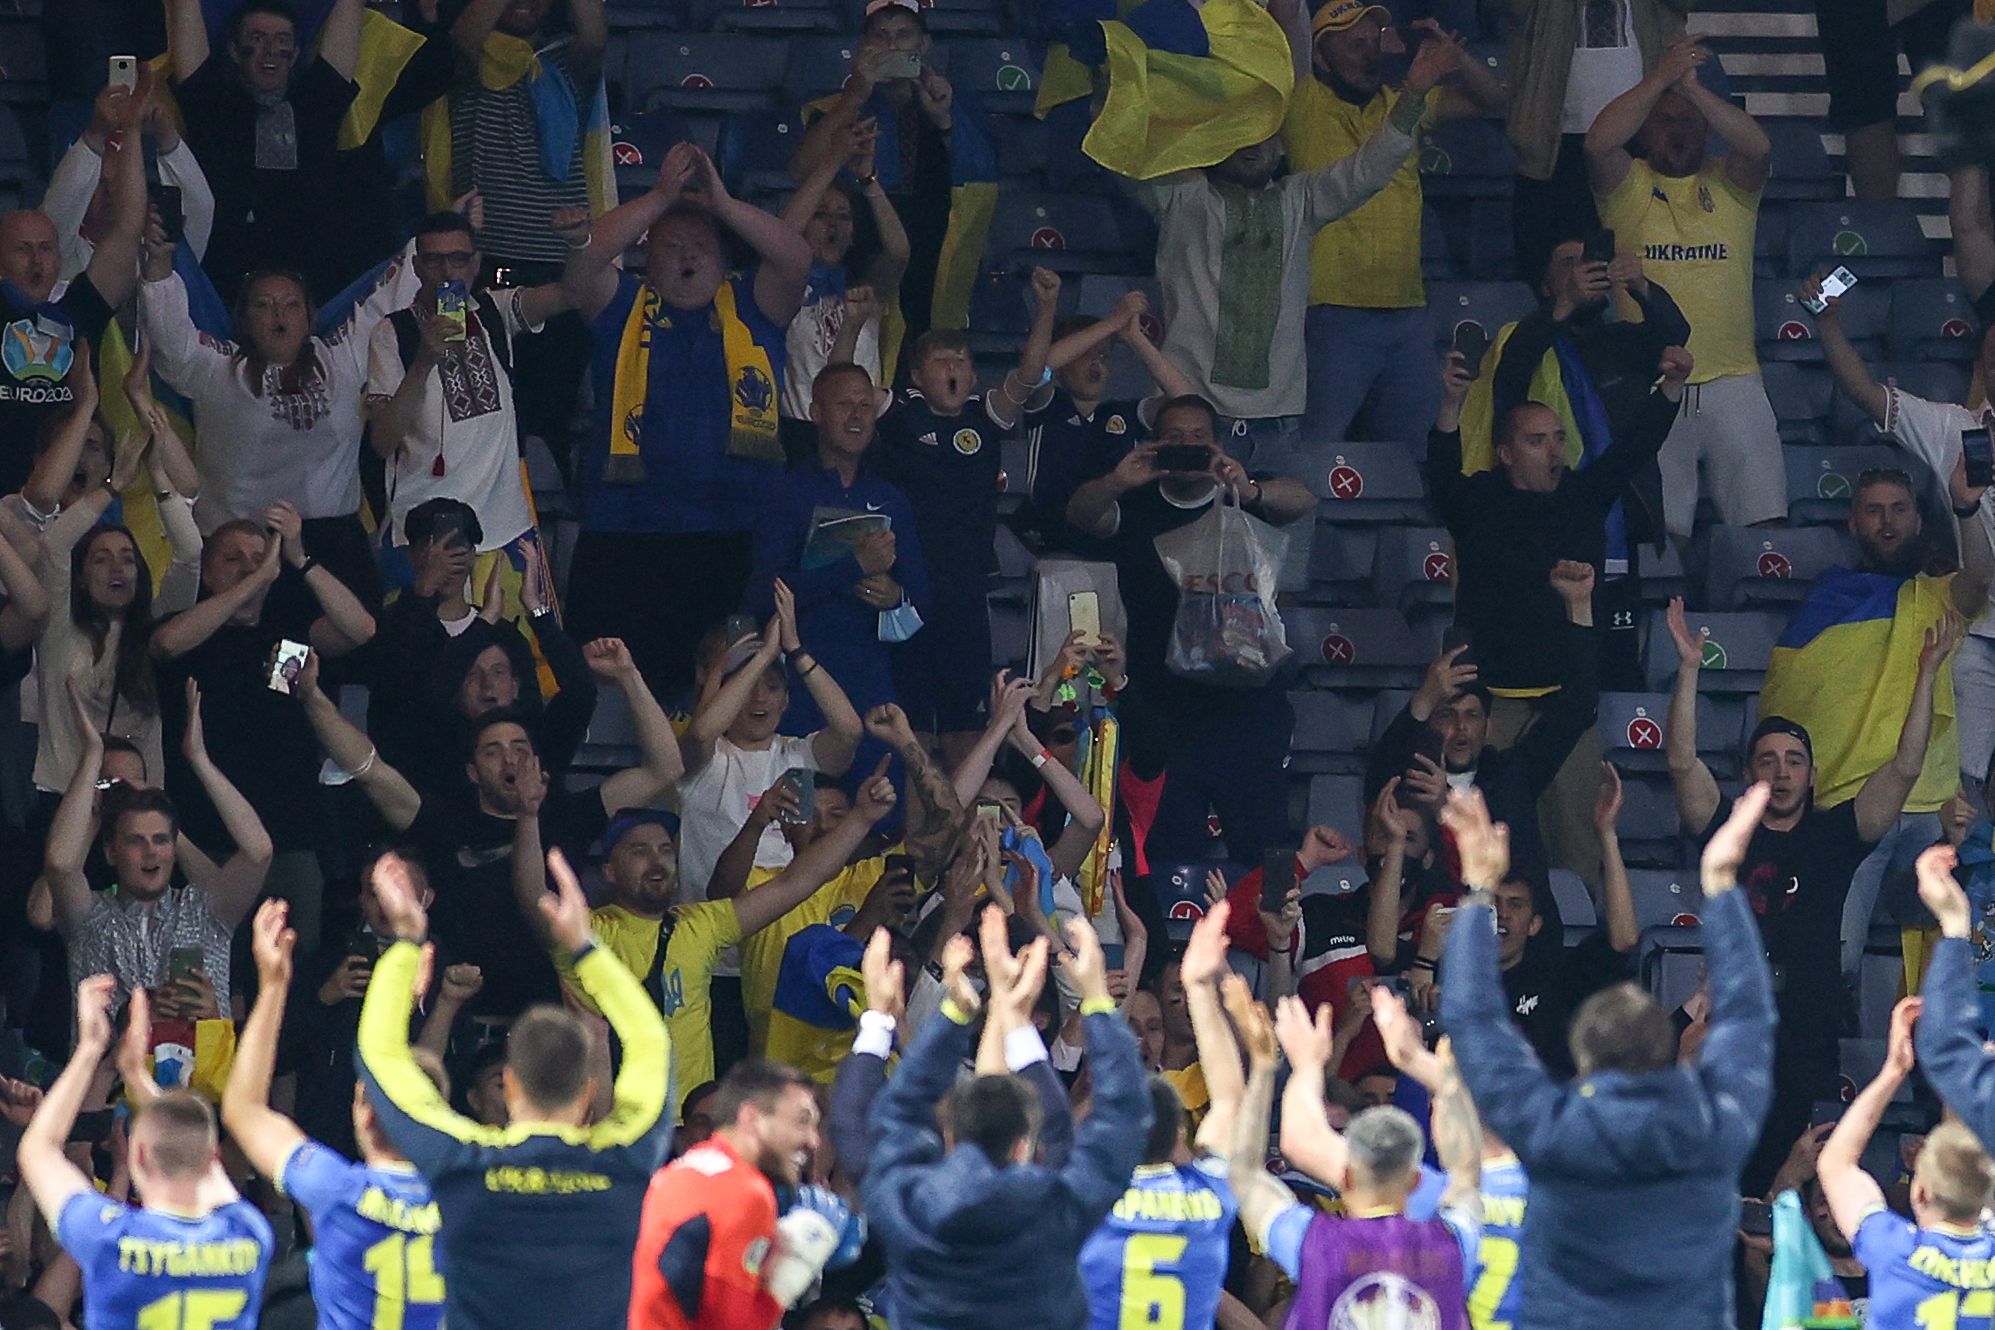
point(278, 409)
point(103, 606)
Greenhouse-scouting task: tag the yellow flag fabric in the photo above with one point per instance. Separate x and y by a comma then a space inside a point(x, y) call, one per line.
point(971, 206)
point(1064, 79)
point(1844, 669)
point(141, 510)
point(1168, 112)
point(385, 49)
point(1479, 411)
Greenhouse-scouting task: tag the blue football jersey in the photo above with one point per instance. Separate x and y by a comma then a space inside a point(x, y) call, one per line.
point(373, 1264)
point(158, 1271)
point(1933, 1278)
point(1159, 1259)
point(1495, 1292)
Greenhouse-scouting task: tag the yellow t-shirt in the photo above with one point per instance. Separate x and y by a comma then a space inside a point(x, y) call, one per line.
point(1695, 236)
point(700, 933)
point(1190, 1085)
point(833, 903)
point(1370, 258)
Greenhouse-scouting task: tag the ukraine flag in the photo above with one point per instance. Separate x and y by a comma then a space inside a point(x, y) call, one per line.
point(819, 995)
point(1844, 669)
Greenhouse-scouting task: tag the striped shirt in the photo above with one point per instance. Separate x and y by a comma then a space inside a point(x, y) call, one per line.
point(495, 148)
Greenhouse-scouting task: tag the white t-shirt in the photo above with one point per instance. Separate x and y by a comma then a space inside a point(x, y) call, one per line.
point(465, 412)
point(714, 803)
point(809, 340)
point(1606, 62)
point(1931, 432)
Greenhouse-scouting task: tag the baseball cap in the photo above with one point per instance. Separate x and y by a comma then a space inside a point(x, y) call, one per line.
point(1337, 15)
point(1781, 725)
point(628, 821)
point(875, 6)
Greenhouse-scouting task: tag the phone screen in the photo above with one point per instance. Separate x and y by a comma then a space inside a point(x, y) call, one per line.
point(125, 72)
point(1183, 457)
point(1471, 343)
point(451, 300)
point(1277, 876)
point(1837, 283)
point(172, 217)
point(1980, 457)
point(284, 670)
point(181, 962)
point(1084, 616)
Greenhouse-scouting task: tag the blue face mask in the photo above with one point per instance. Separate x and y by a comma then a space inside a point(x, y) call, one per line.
point(899, 623)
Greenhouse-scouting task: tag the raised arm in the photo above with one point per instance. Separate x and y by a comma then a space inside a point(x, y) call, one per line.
point(1969, 591)
point(1293, 15)
point(1262, 1199)
point(1009, 696)
point(187, 36)
point(1346, 184)
point(1382, 904)
point(1445, 482)
point(1751, 150)
point(820, 860)
point(1851, 1192)
point(57, 464)
point(1696, 789)
point(39, 1155)
point(1607, 159)
point(1094, 505)
point(266, 1136)
point(1457, 1132)
point(1881, 798)
point(1202, 970)
point(934, 826)
point(339, 38)
point(1109, 1143)
point(1308, 1141)
point(233, 890)
point(1736, 1059)
point(1617, 896)
point(834, 745)
point(723, 707)
point(26, 613)
point(114, 267)
point(191, 627)
point(354, 753)
point(1853, 378)
point(1949, 1039)
point(1085, 815)
point(636, 787)
point(589, 279)
point(344, 624)
point(67, 850)
point(784, 270)
point(1024, 381)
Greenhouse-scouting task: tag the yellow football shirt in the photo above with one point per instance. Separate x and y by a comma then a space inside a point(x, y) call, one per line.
point(1695, 236)
point(833, 903)
point(1370, 258)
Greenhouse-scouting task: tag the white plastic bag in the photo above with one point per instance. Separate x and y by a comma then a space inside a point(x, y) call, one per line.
point(1228, 632)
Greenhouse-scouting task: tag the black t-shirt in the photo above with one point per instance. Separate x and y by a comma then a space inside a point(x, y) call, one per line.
point(1797, 881)
point(469, 855)
point(36, 351)
point(259, 738)
point(1068, 450)
point(266, 217)
point(948, 466)
point(1546, 987)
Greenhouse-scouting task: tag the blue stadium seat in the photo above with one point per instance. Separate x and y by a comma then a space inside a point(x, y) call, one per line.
point(1492, 252)
point(1770, 240)
point(1387, 703)
point(776, 17)
point(1342, 879)
point(1443, 251)
point(1663, 575)
point(999, 318)
point(1000, 72)
point(673, 14)
point(1354, 648)
point(1734, 658)
point(1800, 397)
point(1786, 330)
point(1801, 167)
point(1630, 726)
point(1932, 319)
point(1664, 894)
point(1870, 239)
point(1492, 304)
point(639, 144)
point(23, 62)
point(16, 165)
point(1011, 635)
point(1415, 568)
point(755, 148)
point(818, 67)
point(1671, 963)
point(1369, 482)
point(704, 72)
point(1069, 233)
point(1341, 559)
point(1773, 566)
point(1648, 822)
point(1819, 480)
point(1338, 801)
point(1332, 732)
point(1467, 159)
point(1575, 905)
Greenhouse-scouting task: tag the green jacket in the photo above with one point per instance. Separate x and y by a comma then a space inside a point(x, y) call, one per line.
point(1542, 34)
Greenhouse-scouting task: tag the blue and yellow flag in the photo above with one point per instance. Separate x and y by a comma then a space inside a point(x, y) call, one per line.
point(1181, 109)
point(819, 995)
point(1844, 669)
point(1479, 409)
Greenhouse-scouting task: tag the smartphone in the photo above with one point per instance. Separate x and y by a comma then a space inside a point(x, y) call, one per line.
point(1184, 458)
point(1826, 1111)
point(1755, 1218)
point(366, 943)
point(799, 781)
point(902, 864)
point(182, 962)
point(125, 72)
point(1979, 454)
point(989, 812)
point(172, 216)
point(284, 670)
point(899, 65)
point(1598, 247)
point(1837, 283)
point(452, 303)
point(1471, 344)
point(1458, 635)
point(1084, 615)
point(1277, 876)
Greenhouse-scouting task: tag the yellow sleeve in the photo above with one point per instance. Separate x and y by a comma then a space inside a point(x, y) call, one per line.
point(1616, 205)
point(709, 927)
point(640, 1086)
point(418, 1118)
point(214, 1055)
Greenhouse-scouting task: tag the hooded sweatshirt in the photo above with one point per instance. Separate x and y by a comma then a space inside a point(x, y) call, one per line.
point(1634, 1176)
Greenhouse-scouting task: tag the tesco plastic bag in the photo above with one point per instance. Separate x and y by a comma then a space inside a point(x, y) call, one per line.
point(1228, 632)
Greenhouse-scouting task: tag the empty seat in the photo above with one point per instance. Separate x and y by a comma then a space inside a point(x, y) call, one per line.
point(1337, 801)
point(1369, 482)
point(1672, 964)
point(1069, 233)
point(1770, 565)
point(1799, 395)
point(1349, 648)
point(1786, 330)
point(1801, 168)
point(755, 150)
point(1870, 239)
point(650, 14)
point(1467, 159)
point(818, 67)
point(1735, 655)
point(1631, 729)
point(638, 144)
point(1820, 480)
point(1932, 318)
point(1575, 905)
point(1648, 823)
point(1341, 559)
point(1492, 304)
point(704, 72)
point(1492, 252)
point(1415, 568)
point(1002, 73)
point(1180, 889)
point(1332, 732)
point(1664, 895)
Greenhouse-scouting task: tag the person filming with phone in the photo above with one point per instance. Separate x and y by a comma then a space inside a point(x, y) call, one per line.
point(1222, 748)
point(1948, 438)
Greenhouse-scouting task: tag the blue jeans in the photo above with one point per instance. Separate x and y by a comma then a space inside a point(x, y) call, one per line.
point(1264, 437)
point(1378, 361)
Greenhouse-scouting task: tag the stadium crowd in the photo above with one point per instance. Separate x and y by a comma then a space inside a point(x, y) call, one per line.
point(524, 806)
